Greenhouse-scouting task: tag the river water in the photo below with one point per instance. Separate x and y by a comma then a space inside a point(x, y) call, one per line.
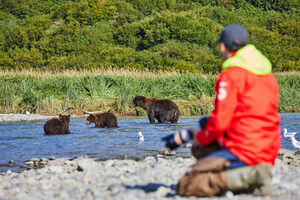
point(21, 141)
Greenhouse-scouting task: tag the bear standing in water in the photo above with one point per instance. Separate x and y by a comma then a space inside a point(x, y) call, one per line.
point(102, 120)
point(58, 126)
point(164, 110)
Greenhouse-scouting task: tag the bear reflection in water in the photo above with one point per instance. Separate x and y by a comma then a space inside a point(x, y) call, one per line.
point(102, 120)
point(57, 126)
point(164, 110)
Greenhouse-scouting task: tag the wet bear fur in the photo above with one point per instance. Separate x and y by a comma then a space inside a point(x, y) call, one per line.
point(102, 120)
point(164, 110)
point(58, 125)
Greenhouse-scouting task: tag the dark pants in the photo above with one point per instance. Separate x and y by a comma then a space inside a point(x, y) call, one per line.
point(214, 151)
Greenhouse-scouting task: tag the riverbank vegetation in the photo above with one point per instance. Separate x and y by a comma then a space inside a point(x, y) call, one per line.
point(51, 93)
point(97, 54)
point(142, 34)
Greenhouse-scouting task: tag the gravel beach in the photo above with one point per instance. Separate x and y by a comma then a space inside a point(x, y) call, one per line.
point(28, 117)
point(22, 117)
point(150, 178)
point(153, 177)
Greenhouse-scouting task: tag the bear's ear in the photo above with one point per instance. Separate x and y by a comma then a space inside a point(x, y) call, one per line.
point(60, 115)
point(69, 116)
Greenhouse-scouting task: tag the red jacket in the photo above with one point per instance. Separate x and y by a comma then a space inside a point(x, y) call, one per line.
point(245, 118)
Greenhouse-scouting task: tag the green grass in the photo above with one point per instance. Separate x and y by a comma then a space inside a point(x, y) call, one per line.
point(289, 86)
point(51, 94)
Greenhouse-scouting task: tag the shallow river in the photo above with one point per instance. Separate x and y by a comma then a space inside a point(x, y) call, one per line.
point(21, 141)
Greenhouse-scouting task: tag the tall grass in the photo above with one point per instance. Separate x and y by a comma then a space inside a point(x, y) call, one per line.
point(83, 72)
point(50, 93)
point(289, 86)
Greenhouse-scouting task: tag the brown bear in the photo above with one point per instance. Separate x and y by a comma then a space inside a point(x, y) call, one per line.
point(164, 110)
point(102, 120)
point(56, 126)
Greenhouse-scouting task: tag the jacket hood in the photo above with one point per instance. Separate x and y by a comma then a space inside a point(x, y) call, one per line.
point(251, 59)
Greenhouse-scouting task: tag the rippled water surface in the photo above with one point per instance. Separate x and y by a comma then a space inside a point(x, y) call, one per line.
point(21, 141)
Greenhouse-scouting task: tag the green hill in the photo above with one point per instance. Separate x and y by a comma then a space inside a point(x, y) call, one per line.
point(142, 34)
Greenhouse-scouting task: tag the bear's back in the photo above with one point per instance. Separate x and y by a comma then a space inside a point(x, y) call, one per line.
point(164, 105)
point(106, 119)
point(55, 126)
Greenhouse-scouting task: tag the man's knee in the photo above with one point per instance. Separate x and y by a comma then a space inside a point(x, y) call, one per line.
point(256, 179)
point(205, 184)
point(206, 179)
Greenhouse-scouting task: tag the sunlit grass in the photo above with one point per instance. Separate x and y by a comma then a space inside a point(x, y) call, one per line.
point(50, 92)
point(107, 71)
point(84, 72)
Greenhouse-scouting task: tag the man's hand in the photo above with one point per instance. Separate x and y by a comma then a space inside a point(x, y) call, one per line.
point(203, 122)
point(177, 139)
point(170, 141)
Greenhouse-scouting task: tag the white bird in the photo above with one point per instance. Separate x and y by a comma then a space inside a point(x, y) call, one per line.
point(295, 143)
point(141, 137)
point(288, 134)
point(27, 112)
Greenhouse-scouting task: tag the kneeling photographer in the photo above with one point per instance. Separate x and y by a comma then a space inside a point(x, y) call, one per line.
point(237, 144)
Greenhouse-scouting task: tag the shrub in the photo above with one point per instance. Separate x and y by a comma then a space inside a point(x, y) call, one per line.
point(158, 34)
point(85, 12)
point(277, 5)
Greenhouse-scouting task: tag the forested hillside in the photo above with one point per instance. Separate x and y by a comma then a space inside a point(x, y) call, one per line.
point(142, 34)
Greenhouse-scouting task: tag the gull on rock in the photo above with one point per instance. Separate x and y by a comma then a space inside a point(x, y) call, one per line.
point(141, 137)
point(288, 134)
point(27, 112)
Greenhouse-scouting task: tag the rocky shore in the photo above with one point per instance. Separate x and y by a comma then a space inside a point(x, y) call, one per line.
point(28, 117)
point(150, 178)
point(22, 117)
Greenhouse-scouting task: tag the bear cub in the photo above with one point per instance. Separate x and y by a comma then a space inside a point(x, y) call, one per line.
point(164, 110)
point(56, 126)
point(102, 120)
